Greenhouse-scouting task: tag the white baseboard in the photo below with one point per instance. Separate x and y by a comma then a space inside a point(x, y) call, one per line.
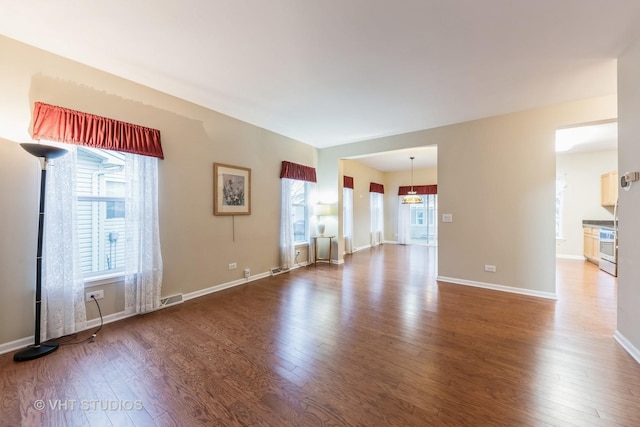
point(360, 248)
point(626, 344)
point(93, 323)
point(15, 345)
point(223, 286)
point(502, 288)
point(576, 257)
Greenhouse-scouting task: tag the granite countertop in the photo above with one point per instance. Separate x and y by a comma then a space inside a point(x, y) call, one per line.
point(598, 222)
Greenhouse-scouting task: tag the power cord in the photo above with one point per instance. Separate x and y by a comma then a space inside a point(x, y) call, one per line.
point(90, 337)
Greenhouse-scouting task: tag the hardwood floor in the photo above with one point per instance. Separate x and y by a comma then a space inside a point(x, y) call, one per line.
point(374, 342)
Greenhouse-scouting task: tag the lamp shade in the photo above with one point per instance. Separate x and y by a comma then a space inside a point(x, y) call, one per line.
point(322, 209)
point(411, 198)
point(43, 150)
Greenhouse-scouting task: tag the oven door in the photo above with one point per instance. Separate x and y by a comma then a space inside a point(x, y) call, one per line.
point(608, 250)
point(608, 255)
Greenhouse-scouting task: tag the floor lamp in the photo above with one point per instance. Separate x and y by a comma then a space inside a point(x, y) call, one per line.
point(45, 153)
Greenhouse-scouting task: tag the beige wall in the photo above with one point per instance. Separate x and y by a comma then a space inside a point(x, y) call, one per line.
point(196, 245)
point(497, 177)
point(362, 176)
point(629, 201)
point(582, 173)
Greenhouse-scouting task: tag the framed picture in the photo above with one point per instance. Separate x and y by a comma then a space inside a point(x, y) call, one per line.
point(231, 190)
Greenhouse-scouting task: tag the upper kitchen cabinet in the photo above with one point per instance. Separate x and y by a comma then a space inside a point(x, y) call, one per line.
point(609, 188)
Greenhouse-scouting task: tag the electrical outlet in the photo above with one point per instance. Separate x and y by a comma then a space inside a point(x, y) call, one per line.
point(490, 268)
point(233, 266)
point(247, 273)
point(99, 294)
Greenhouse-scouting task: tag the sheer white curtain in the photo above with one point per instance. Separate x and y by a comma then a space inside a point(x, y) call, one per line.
point(377, 217)
point(347, 219)
point(310, 189)
point(63, 306)
point(143, 258)
point(287, 253)
point(404, 222)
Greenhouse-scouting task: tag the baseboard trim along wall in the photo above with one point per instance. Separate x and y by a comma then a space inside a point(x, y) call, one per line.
point(502, 288)
point(91, 324)
point(94, 323)
point(576, 257)
point(223, 286)
point(626, 344)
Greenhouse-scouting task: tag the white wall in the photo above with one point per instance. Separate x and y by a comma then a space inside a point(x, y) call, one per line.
point(582, 173)
point(628, 328)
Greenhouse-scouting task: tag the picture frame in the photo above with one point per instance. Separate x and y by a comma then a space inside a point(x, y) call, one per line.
point(231, 190)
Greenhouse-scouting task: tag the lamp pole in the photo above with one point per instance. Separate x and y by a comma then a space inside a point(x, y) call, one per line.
point(38, 349)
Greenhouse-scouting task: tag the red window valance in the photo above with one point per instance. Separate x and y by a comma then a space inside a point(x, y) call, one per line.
point(297, 171)
point(419, 189)
point(376, 188)
point(75, 127)
point(347, 181)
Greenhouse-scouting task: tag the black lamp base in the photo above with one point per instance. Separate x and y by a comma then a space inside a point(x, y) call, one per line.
point(33, 352)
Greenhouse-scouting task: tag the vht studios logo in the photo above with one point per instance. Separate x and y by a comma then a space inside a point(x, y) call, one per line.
point(87, 405)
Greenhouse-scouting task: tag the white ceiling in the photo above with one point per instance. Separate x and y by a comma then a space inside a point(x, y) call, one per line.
point(399, 160)
point(588, 137)
point(328, 72)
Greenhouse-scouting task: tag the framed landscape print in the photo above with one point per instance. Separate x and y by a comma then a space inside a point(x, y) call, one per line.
point(231, 190)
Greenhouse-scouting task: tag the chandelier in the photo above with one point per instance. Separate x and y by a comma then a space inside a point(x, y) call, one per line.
point(412, 197)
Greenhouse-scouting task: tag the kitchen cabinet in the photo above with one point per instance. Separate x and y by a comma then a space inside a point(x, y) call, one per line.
point(609, 188)
point(592, 244)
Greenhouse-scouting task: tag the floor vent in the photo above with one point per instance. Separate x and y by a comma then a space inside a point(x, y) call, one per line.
point(172, 300)
point(278, 270)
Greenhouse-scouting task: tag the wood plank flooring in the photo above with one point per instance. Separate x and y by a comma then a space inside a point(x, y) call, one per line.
point(374, 342)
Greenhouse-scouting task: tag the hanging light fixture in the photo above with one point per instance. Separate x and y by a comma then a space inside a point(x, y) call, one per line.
point(412, 197)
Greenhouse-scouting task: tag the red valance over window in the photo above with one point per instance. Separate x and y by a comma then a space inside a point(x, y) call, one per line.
point(376, 188)
point(75, 127)
point(299, 172)
point(347, 182)
point(419, 189)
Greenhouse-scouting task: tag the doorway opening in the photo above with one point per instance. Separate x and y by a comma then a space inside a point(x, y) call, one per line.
point(585, 155)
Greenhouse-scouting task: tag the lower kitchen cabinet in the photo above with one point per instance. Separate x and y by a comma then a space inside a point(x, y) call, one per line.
point(592, 244)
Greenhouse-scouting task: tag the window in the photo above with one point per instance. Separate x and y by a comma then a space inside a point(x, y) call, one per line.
point(299, 211)
point(347, 219)
point(115, 208)
point(417, 214)
point(377, 217)
point(422, 223)
point(86, 237)
point(100, 184)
